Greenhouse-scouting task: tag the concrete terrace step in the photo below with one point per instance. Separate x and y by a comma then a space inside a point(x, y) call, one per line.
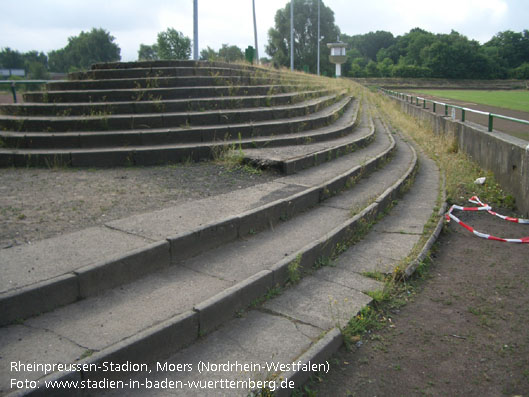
point(167, 63)
point(163, 82)
point(155, 105)
point(86, 262)
point(175, 303)
point(260, 133)
point(293, 158)
point(168, 71)
point(143, 94)
point(300, 328)
point(152, 146)
point(162, 119)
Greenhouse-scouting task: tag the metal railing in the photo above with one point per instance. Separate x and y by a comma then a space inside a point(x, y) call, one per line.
point(413, 98)
point(13, 85)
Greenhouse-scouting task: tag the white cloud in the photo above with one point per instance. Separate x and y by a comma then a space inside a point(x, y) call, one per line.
point(46, 25)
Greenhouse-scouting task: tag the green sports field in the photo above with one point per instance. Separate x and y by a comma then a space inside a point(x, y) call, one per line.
point(515, 100)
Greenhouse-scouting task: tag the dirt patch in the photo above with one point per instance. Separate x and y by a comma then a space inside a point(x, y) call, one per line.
point(41, 203)
point(463, 334)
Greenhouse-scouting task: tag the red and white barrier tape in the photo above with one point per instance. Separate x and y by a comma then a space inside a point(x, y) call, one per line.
point(485, 207)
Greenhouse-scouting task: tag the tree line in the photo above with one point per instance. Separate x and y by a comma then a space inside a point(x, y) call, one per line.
point(417, 53)
point(98, 45)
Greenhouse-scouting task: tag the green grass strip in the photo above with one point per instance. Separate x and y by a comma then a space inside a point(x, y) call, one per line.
point(514, 100)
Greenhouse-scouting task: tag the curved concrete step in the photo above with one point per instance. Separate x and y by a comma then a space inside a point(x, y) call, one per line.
point(162, 119)
point(235, 275)
point(288, 338)
point(163, 82)
point(168, 71)
point(169, 63)
point(67, 271)
point(261, 133)
point(293, 158)
point(156, 105)
point(154, 146)
point(143, 94)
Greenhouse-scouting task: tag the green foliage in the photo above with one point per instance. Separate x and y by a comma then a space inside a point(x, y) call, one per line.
point(37, 71)
point(173, 45)
point(305, 36)
point(510, 99)
point(34, 63)
point(227, 53)
point(84, 50)
point(419, 53)
point(11, 59)
point(231, 53)
point(521, 72)
point(209, 54)
point(148, 52)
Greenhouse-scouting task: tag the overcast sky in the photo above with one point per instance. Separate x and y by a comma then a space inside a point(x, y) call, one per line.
point(45, 25)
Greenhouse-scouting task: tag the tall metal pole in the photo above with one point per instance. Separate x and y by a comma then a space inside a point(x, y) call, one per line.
point(255, 34)
point(319, 37)
point(195, 30)
point(291, 34)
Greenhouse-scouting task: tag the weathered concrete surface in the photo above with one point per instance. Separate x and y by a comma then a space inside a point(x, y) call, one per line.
point(105, 319)
point(45, 259)
point(24, 344)
point(252, 339)
point(320, 303)
point(189, 216)
point(506, 156)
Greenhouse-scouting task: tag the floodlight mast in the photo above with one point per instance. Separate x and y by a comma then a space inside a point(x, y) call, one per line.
point(319, 38)
point(195, 30)
point(255, 34)
point(291, 34)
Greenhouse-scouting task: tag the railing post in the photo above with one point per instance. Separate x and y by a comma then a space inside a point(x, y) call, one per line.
point(14, 91)
point(424, 103)
point(446, 110)
point(417, 100)
point(490, 122)
point(463, 115)
point(434, 106)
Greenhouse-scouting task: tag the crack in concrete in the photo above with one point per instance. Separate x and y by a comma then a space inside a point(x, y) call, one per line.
point(59, 336)
point(129, 233)
point(291, 319)
point(400, 232)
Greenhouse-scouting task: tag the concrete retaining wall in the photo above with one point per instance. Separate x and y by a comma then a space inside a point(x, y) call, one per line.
point(506, 156)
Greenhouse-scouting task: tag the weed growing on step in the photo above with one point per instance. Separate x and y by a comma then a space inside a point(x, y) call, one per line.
point(87, 353)
point(294, 273)
point(270, 294)
point(56, 162)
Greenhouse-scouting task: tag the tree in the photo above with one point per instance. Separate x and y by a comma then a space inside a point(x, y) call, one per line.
point(84, 50)
point(231, 53)
point(148, 52)
point(209, 54)
point(11, 59)
point(305, 36)
point(173, 45)
point(512, 47)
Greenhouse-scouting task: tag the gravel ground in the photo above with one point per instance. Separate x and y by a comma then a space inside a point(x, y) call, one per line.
point(40, 203)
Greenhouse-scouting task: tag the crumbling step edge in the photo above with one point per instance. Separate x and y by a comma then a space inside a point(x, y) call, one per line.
point(181, 330)
point(323, 349)
point(291, 166)
point(92, 279)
